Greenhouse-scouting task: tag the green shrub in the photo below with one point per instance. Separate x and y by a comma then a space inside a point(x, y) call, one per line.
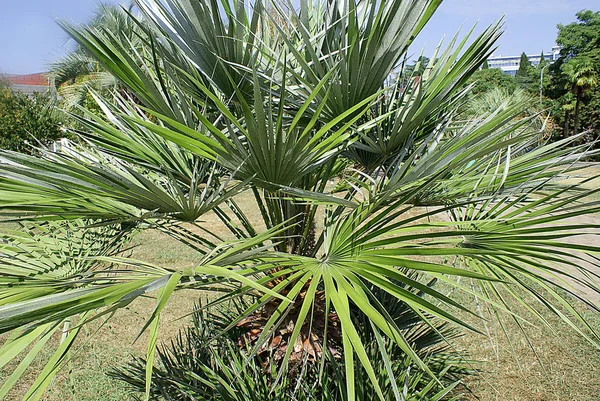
point(27, 121)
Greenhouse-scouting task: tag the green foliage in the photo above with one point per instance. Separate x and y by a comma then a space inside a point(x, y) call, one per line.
point(497, 98)
point(64, 255)
point(27, 121)
point(582, 74)
point(543, 61)
point(589, 116)
point(524, 65)
point(485, 80)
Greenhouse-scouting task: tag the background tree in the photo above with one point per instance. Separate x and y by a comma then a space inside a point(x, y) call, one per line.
point(583, 76)
point(542, 72)
point(526, 75)
point(575, 105)
point(543, 61)
point(580, 37)
point(418, 67)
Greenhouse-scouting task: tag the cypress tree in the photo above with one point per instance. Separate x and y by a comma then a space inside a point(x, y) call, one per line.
point(485, 65)
point(524, 66)
point(525, 75)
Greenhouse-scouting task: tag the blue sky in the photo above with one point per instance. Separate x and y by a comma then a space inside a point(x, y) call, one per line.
point(30, 38)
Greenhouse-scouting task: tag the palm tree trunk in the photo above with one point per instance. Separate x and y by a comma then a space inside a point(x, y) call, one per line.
point(577, 111)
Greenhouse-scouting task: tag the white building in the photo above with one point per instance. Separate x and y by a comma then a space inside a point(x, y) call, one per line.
point(510, 64)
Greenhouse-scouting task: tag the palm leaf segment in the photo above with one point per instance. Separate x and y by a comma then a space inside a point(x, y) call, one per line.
point(279, 107)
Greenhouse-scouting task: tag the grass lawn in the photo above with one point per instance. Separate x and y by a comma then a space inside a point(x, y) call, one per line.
point(590, 171)
point(556, 365)
point(562, 366)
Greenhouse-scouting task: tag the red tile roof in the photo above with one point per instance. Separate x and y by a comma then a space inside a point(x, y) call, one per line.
point(28, 79)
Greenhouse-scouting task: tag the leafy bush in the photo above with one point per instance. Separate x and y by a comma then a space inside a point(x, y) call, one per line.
point(488, 79)
point(27, 121)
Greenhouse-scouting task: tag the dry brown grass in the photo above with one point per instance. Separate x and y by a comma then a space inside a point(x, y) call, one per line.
point(560, 366)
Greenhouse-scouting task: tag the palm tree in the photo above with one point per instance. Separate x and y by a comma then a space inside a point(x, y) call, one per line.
point(583, 76)
point(79, 71)
point(348, 173)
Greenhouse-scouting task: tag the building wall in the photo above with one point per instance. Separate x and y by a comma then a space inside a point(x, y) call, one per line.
point(510, 64)
point(29, 89)
point(29, 83)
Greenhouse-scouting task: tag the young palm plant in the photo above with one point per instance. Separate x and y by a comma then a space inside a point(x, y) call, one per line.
point(361, 181)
